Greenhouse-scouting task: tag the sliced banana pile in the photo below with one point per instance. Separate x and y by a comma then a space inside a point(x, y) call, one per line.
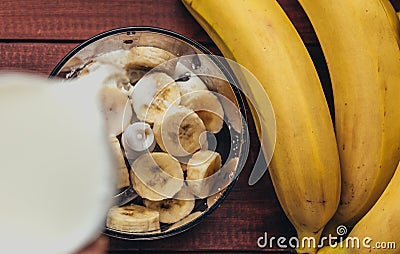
point(157, 113)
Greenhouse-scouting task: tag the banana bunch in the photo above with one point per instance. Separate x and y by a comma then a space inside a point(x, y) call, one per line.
point(381, 224)
point(305, 166)
point(360, 41)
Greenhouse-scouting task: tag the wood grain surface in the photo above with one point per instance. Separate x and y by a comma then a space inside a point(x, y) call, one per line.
point(79, 20)
point(36, 34)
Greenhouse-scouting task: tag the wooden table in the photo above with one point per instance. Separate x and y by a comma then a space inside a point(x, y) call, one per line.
point(36, 34)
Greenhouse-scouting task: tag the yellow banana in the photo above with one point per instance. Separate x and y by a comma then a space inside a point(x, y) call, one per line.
point(393, 17)
point(305, 165)
point(379, 230)
point(363, 57)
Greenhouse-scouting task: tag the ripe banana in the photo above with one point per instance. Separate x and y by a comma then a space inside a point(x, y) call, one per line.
point(380, 224)
point(393, 17)
point(180, 131)
point(360, 46)
point(153, 94)
point(156, 176)
point(133, 219)
point(305, 166)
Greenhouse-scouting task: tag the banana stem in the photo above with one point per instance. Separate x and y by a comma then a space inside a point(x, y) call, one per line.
point(308, 242)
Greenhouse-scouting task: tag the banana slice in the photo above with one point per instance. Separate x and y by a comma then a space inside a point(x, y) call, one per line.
point(137, 139)
point(180, 132)
point(121, 169)
point(116, 107)
point(171, 210)
point(156, 176)
point(187, 81)
point(186, 220)
point(120, 82)
point(110, 68)
point(203, 164)
point(150, 57)
point(117, 57)
point(133, 219)
point(153, 94)
point(109, 74)
point(207, 106)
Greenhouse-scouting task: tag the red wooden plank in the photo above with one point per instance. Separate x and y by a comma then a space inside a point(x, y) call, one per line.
point(33, 57)
point(79, 20)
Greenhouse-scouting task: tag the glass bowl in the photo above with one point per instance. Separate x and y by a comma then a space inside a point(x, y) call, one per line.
point(231, 142)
